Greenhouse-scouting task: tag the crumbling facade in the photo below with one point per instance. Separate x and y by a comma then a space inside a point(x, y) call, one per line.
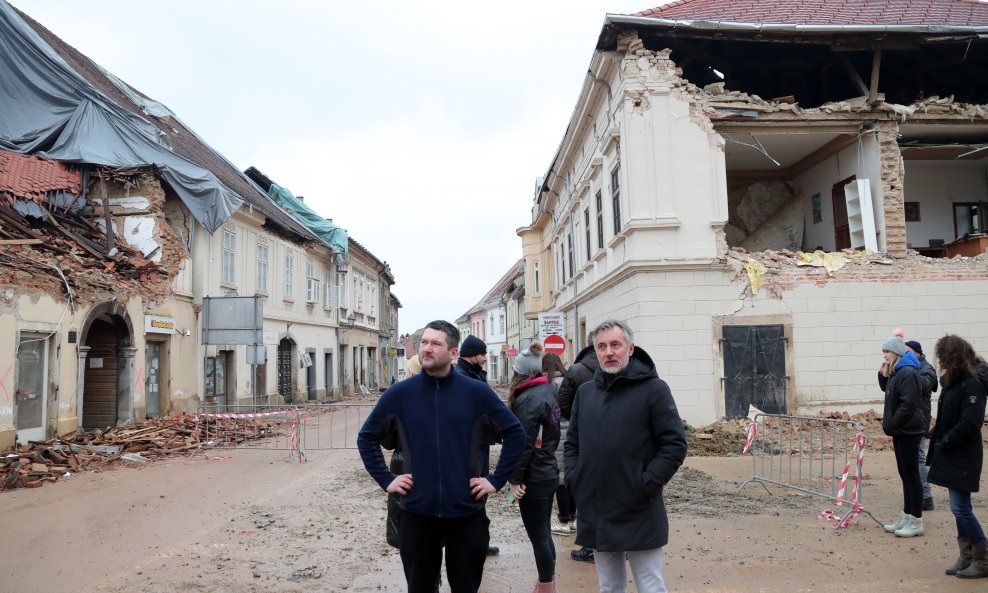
point(116, 224)
point(759, 201)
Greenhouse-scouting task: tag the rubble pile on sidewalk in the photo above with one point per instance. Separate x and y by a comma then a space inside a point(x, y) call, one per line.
point(726, 438)
point(33, 465)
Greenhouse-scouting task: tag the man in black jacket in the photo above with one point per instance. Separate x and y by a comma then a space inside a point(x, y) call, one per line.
point(473, 357)
point(625, 442)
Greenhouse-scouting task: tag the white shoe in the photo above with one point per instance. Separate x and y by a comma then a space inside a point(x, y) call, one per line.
point(561, 528)
point(893, 527)
point(913, 527)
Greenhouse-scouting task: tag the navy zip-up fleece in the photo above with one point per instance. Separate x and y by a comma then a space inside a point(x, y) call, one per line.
point(441, 424)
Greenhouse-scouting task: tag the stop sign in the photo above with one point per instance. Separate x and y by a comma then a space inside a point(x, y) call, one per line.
point(555, 343)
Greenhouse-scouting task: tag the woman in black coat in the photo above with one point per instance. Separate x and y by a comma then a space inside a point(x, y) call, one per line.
point(905, 423)
point(955, 455)
point(533, 400)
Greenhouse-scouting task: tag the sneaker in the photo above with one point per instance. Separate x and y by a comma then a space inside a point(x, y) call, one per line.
point(584, 554)
point(912, 528)
point(928, 504)
point(561, 528)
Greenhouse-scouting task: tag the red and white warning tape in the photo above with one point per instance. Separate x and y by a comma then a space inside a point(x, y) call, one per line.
point(859, 448)
point(752, 431)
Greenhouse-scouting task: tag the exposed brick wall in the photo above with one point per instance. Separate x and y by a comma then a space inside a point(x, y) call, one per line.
point(891, 164)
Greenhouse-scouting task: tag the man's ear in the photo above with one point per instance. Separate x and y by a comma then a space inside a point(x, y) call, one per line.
point(454, 352)
point(631, 349)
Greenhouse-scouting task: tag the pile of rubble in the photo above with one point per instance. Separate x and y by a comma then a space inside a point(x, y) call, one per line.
point(726, 438)
point(37, 463)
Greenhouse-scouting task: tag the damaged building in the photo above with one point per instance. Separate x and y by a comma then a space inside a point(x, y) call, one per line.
point(765, 191)
point(116, 223)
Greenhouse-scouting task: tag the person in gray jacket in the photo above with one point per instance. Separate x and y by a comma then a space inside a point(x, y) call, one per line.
point(625, 442)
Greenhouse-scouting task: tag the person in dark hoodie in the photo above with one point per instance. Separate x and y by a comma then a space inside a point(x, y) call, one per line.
point(930, 382)
point(533, 400)
point(578, 373)
point(956, 454)
point(473, 357)
point(906, 423)
point(437, 415)
point(625, 442)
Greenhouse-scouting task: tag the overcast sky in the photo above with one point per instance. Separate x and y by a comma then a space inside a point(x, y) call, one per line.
point(419, 127)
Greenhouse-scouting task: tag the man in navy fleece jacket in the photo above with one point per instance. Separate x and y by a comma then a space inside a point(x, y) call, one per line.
point(441, 418)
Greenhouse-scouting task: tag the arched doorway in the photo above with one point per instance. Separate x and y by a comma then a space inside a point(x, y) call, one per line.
point(106, 356)
point(286, 375)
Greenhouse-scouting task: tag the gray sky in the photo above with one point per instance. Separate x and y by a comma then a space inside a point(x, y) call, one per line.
point(419, 127)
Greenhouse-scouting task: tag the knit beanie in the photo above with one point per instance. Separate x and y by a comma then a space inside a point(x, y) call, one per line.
point(472, 346)
point(896, 345)
point(529, 362)
point(915, 347)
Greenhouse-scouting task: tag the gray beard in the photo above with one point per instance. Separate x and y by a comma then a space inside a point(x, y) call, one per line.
point(617, 370)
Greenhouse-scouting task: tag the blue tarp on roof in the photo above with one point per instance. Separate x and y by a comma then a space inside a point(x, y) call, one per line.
point(329, 232)
point(51, 110)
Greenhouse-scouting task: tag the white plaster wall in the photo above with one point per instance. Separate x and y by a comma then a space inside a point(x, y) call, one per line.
point(837, 332)
point(936, 185)
point(860, 160)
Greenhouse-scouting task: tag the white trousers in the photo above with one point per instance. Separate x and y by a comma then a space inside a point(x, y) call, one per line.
point(646, 567)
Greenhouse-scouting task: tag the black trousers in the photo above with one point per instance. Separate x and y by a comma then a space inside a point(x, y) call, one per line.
point(421, 540)
point(907, 462)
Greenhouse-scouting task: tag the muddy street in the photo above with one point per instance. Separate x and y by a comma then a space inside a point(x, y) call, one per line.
point(246, 521)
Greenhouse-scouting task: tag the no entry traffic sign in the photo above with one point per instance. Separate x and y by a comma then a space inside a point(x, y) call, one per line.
point(555, 343)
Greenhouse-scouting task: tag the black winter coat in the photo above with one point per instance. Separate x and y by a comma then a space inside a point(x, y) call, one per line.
point(928, 376)
point(577, 374)
point(955, 455)
point(536, 407)
point(625, 442)
point(903, 400)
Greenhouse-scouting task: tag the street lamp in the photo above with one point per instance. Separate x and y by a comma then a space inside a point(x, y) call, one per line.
point(349, 322)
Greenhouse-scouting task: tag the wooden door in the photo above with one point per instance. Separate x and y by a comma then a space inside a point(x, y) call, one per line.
point(99, 403)
point(842, 231)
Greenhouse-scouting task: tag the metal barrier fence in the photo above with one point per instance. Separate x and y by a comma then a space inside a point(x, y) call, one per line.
point(296, 429)
point(814, 455)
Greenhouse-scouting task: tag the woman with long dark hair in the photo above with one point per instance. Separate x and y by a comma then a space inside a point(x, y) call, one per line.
point(955, 456)
point(554, 370)
point(533, 400)
point(905, 423)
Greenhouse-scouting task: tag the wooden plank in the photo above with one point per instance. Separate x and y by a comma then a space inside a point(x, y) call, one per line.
point(21, 241)
point(876, 64)
point(107, 215)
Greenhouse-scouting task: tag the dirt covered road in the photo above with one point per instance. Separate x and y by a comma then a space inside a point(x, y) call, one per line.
point(246, 521)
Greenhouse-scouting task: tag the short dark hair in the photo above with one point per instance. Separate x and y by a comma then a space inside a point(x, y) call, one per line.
point(452, 334)
point(606, 325)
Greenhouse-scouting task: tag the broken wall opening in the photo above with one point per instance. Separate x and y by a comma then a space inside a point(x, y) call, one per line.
point(816, 69)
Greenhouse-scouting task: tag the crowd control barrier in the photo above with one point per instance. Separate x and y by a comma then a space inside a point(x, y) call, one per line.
point(815, 455)
point(291, 428)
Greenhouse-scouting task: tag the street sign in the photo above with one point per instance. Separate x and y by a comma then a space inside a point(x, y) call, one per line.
point(555, 343)
point(512, 352)
point(551, 323)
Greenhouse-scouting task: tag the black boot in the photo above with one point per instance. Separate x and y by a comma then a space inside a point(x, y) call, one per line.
point(493, 550)
point(928, 504)
point(584, 554)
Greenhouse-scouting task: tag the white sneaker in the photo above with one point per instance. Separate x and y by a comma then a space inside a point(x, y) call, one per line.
point(561, 528)
point(913, 527)
point(893, 527)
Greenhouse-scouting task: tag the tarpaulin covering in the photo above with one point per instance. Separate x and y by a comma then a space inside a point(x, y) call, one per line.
point(332, 234)
point(47, 108)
